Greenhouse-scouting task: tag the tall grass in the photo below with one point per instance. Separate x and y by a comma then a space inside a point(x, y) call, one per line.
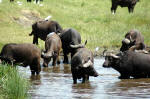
point(92, 18)
point(12, 83)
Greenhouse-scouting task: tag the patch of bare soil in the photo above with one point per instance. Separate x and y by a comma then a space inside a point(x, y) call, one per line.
point(27, 18)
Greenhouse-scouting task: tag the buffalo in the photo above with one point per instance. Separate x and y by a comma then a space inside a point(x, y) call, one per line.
point(70, 37)
point(52, 49)
point(123, 3)
point(134, 40)
point(26, 54)
point(41, 29)
point(82, 65)
point(129, 64)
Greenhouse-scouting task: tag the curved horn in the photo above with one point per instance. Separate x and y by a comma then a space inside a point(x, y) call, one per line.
point(114, 56)
point(89, 63)
point(104, 52)
point(79, 45)
point(131, 39)
point(127, 41)
point(46, 55)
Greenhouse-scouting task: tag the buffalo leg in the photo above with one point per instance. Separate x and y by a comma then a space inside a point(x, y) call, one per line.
point(35, 66)
point(85, 78)
point(130, 9)
point(35, 40)
point(32, 70)
point(65, 58)
point(74, 79)
point(58, 60)
point(113, 9)
point(54, 60)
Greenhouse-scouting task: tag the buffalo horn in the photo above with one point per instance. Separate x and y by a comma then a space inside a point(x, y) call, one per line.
point(127, 41)
point(89, 63)
point(47, 55)
point(104, 52)
point(114, 56)
point(79, 45)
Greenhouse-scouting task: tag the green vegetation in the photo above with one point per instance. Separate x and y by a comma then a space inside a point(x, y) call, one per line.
point(92, 18)
point(12, 83)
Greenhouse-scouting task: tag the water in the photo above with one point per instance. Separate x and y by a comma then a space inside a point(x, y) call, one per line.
point(56, 83)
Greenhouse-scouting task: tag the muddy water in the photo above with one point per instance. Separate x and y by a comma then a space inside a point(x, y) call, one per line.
point(56, 83)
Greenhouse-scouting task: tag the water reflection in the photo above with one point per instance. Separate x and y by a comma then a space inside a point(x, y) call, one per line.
point(83, 91)
point(55, 82)
point(132, 88)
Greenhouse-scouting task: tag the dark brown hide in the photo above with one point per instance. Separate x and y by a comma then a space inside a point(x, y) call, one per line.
point(40, 29)
point(27, 54)
point(69, 37)
point(123, 3)
point(52, 46)
point(129, 64)
point(82, 65)
point(135, 41)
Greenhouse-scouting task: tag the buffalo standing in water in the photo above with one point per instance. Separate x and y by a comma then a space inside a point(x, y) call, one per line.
point(129, 64)
point(27, 54)
point(70, 37)
point(82, 65)
point(52, 46)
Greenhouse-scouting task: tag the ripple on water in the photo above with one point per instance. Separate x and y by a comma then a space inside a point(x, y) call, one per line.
point(56, 83)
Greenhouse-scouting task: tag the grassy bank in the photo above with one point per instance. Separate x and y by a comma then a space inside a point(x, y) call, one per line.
point(12, 83)
point(92, 18)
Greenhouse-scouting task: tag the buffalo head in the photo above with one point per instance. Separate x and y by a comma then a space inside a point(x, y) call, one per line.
point(111, 60)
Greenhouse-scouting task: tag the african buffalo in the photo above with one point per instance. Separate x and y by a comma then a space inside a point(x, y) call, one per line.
point(52, 49)
point(129, 63)
point(40, 29)
point(134, 40)
point(70, 37)
point(82, 65)
point(123, 3)
point(27, 54)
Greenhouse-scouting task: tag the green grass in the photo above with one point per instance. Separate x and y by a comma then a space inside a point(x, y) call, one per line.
point(12, 83)
point(92, 18)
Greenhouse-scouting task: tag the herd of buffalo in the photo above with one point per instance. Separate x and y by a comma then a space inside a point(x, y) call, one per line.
point(131, 61)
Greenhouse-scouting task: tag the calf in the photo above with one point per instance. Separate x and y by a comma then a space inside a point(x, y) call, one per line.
point(27, 54)
point(82, 65)
point(123, 3)
point(129, 64)
point(52, 49)
point(134, 40)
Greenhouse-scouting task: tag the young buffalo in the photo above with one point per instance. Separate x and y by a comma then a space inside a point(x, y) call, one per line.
point(52, 46)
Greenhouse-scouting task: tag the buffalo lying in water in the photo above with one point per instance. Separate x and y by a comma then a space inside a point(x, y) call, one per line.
point(27, 54)
point(82, 65)
point(52, 49)
point(129, 64)
point(134, 40)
